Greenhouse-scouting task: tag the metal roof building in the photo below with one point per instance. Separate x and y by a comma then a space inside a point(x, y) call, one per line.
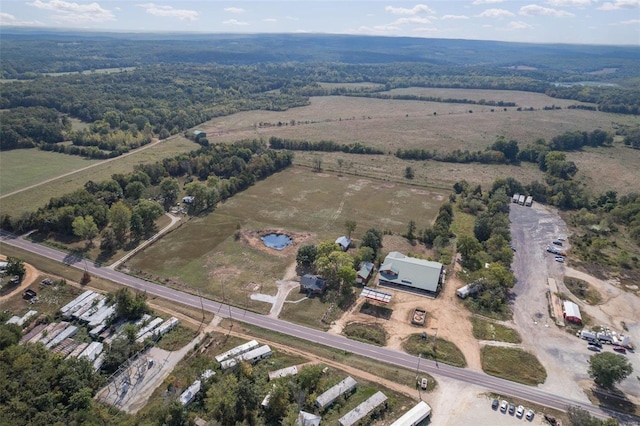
point(283, 372)
point(363, 409)
point(406, 271)
point(251, 356)
point(334, 392)
point(251, 344)
point(414, 416)
point(190, 393)
point(308, 419)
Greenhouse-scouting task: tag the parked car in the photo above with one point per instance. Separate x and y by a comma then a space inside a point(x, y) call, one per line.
point(557, 242)
point(512, 408)
point(424, 383)
point(620, 349)
point(530, 414)
point(593, 348)
point(520, 411)
point(595, 343)
point(503, 406)
point(560, 259)
point(495, 404)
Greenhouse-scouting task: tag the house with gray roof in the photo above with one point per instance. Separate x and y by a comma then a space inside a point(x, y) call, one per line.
point(312, 284)
point(367, 407)
point(327, 398)
point(417, 274)
point(344, 242)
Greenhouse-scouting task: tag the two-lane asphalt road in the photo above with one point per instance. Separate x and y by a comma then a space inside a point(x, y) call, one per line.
point(389, 356)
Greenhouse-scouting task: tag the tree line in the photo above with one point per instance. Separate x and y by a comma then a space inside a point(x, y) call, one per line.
point(323, 145)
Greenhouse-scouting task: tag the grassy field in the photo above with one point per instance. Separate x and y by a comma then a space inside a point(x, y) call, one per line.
point(369, 333)
point(582, 290)
point(443, 351)
point(512, 364)
point(24, 167)
point(487, 330)
point(31, 199)
point(204, 254)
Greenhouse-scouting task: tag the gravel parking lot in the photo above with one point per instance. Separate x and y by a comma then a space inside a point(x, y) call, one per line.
point(564, 356)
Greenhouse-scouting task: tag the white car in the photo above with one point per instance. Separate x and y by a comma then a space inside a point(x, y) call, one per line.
point(530, 414)
point(503, 406)
point(560, 259)
point(520, 411)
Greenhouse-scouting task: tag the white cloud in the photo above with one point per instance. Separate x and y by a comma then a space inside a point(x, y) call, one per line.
point(411, 20)
point(7, 19)
point(477, 2)
point(418, 8)
point(495, 13)
point(565, 3)
point(620, 4)
point(518, 25)
point(536, 10)
point(74, 12)
point(170, 12)
point(631, 22)
point(269, 20)
point(234, 9)
point(235, 22)
point(376, 30)
point(445, 17)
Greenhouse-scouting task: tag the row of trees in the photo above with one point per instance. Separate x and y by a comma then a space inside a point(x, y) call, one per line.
point(324, 145)
point(489, 244)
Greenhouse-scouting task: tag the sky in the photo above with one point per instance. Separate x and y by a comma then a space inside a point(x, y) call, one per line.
point(613, 22)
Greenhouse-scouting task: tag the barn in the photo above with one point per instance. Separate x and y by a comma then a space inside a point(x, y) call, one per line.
point(399, 270)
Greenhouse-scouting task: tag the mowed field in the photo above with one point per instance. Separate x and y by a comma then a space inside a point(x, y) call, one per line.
point(204, 254)
point(37, 166)
point(24, 167)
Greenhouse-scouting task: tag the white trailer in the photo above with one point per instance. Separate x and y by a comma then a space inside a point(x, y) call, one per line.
point(515, 198)
point(102, 315)
point(254, 355)
point(586, 335)
point(93, 310)
point(78, 299)
point(92, 351)
point(54, 332)
point(153, 324)
point(252, 344)
point(521, 200)
point(82, 306)
point(529, 201)
point(67, 332)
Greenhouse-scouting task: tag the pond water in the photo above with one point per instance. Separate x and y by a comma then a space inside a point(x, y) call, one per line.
point(276, 241)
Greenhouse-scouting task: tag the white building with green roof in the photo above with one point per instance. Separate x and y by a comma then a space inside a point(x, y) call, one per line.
point(410, 272)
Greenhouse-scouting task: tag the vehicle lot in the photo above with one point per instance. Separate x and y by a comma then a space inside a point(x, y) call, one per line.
point(563, 355)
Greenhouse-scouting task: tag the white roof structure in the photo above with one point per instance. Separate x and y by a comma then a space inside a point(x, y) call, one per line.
point(330, 395)
point(363, 409)
point(410, 272)
point(251, 356)
point(92, 351)
point(237, 350)
point(78, 299)
point(344, 242)
point(308, 419)
point(283, 372)
point(376, 295)
point(414, 416)
point(571, 310)
point(190, 393)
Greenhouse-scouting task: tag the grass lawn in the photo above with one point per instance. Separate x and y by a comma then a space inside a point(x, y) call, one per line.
point(369, 333)
point(582, 290)
point(308, 312)
point(176, 338)
point(443, 351)
point(204, 253)
point(512, 364)
point(487, 330)
point(31, 199)
point(24, 167)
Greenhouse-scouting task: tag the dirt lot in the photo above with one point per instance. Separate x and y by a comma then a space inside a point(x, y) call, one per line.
point(563, 355)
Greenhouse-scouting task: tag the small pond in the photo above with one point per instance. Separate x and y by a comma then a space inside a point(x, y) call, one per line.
point(276, 241)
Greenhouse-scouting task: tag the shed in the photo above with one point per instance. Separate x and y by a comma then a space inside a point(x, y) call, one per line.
point(418, 413)
point(344, 242)
point(571, 312)
point(327, 398)
point(364, 409)
point(312, 284)
point(308, 419)
point(365, 272)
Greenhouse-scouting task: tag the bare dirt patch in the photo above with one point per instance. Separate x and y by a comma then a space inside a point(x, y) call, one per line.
point(253, 238)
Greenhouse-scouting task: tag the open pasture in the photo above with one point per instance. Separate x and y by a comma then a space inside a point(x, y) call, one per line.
point(205, 254)
point(604, 169)
point(36, 197)
point(25, 167)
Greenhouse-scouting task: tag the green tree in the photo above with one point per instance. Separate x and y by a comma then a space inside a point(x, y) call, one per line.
point(409, 173)
point(10, 334)
point(15, 266)
point(148, 211)
point(608, 368)
point(120, 218)
point(221, 399)
point(85, 228)
point(372, 238)
point(130, 306)
point(169, 190)
point(411, 231)
point(278, 402)
point(469, 247)
point(306, 255)
point(108, 241)
point(350, 226)
point(134, 190)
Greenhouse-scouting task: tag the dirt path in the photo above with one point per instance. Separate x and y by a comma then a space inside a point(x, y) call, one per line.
point(157, 141)
point(30, 276)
